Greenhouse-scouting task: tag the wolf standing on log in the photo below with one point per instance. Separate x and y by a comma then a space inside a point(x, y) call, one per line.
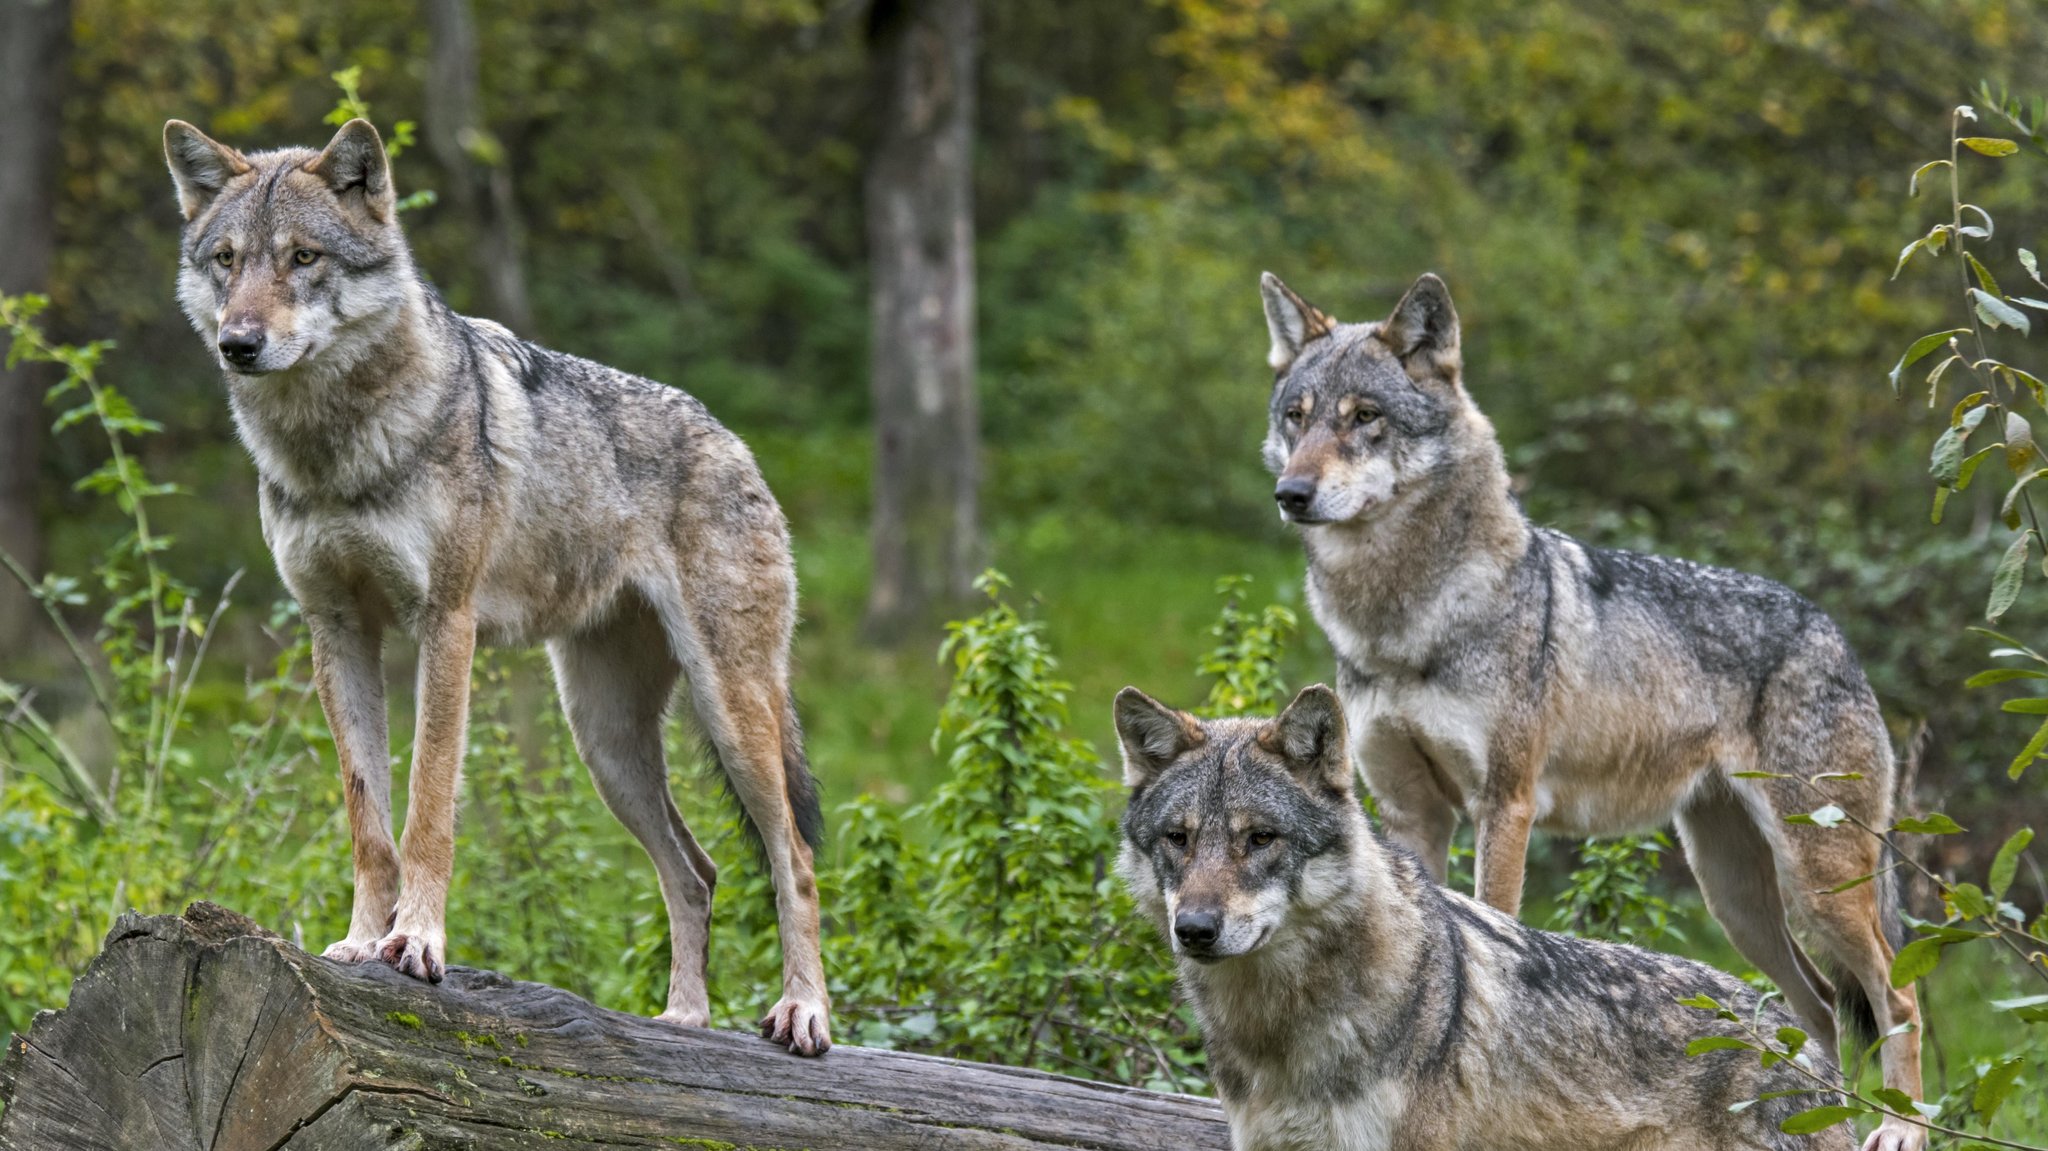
point(429, 472)
point(1349, 1002)
point(1510, 672)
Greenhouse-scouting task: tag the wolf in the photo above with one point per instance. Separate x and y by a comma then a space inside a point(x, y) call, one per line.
point(428, 472)
point(1348, 1001)
point(1497, 668)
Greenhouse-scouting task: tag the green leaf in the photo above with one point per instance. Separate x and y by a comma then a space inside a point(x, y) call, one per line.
point(1915, 961)
point(2019, 441)
point(2033, 268)
point(2003, 674)
point(1971, 463)
point(1703, 1001)
point(2009, 509)
point(1817, 1119)
point(1984, 277)
point(1893, 1098)
point(1945, 464)
point(1706, 1043)
point(1989, 145)
point(2028, 706)
point(2005, 582)
point(1853, 884)
point(1968, 901)
point(2029, 753)
point(1994, 1085)
point(1934, 823)
point(1998, 313)
point(1913, 185)
point(1919, 349)
point(2007, 862)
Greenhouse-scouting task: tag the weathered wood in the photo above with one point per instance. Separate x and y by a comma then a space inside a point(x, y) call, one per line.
point(208, 1033)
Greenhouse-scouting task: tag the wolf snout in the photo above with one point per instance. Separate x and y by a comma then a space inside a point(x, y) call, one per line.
point(1294, 494)
point(241, 344)
point(1197, 930)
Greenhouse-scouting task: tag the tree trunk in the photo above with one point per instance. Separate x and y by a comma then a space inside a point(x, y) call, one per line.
point(478, 177)
point(35, 42)
point(207, 1033)
point(920, 224)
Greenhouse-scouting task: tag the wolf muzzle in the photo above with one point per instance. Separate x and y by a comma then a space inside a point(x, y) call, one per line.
point(241, 344)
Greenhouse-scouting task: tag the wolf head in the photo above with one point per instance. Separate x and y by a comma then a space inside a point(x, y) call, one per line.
point(1237, 828)
point(292, 257)
point(1363, 415)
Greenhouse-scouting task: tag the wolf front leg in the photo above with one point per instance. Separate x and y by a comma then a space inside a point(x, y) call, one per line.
point(417, 943)
point(348, 673)
point(1503, 813)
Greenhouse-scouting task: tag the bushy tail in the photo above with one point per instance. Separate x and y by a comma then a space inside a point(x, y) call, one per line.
point(796, 771)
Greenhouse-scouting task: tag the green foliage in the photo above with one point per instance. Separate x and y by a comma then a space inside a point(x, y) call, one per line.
point(1246, 659)
point(1611, 894)
point(1011, 941)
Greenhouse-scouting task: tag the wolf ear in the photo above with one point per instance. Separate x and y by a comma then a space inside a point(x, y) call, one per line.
point(200, 165)
point(1423, 330)
point(1153, 735)
point(1290, 320)
point(354, 162)
point(1309, 735)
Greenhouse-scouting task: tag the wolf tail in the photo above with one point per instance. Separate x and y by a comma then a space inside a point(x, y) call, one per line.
point(796, 772)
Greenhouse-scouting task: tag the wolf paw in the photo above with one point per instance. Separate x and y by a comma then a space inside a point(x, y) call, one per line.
point(1896, 1135)
point(352, 950)
point(800, 1025)
point(414, 953)
point(686, 1017)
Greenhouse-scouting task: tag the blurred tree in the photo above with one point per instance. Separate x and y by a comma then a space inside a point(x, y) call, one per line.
point(479, 176)
point(35, 39)
point(920, 220)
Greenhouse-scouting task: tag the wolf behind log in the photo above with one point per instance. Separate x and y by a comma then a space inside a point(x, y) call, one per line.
point(1348, 1001)
point(1507, 671)
point(426, 472)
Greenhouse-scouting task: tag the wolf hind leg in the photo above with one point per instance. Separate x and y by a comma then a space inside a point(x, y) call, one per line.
point(733, 643)
point(615, 683)
point(1738, 876)
point(1812, 727)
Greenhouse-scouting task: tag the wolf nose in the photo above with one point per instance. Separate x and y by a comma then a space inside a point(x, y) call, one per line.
point(241, 346)
point(1294, 494)
point(1197, 928)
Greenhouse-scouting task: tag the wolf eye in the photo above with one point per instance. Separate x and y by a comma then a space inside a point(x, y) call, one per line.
point(225, 258)
point(1177, 838)
point(1364, 416)
point(1293, 415)
point(304, 256)
point(1258, 839)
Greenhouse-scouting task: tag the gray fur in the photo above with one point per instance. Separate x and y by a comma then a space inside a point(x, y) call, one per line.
point(423, 471)
point(1500, 670)
point(1350, 1002)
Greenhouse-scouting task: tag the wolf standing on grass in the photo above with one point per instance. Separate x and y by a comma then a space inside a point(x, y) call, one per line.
point(1510, 672)
point(425, 471)
point(1348, 1002)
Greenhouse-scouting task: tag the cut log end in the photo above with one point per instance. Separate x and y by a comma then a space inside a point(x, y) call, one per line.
point(207, 1033)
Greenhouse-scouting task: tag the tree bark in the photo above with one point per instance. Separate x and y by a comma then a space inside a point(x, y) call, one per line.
point(35, 42)
point(920, 226)
point(478, 176)
point(207, 1033)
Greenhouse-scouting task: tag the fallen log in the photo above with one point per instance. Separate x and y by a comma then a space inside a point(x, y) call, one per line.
point(207, 1033)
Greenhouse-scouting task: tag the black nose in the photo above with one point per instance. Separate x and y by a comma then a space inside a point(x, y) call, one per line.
point(1197, 928)
point(1294, 494)
point(240, 345)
